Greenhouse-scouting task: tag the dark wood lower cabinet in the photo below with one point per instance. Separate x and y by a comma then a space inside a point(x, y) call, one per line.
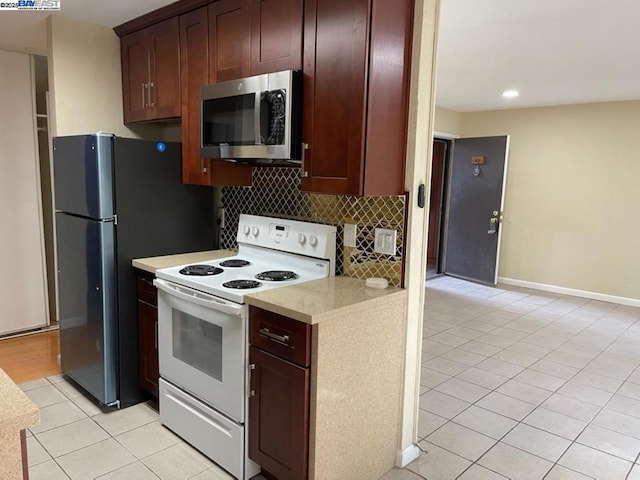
point(23, 448)
point(279, 416)
point(148, 334)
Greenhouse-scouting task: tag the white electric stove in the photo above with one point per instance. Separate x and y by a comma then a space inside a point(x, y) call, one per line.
point(203, 331)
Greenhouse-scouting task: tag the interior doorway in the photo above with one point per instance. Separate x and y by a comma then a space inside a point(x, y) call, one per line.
point(466, 206)
point(441, 150)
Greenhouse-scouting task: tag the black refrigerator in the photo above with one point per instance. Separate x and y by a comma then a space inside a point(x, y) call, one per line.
point(116, 199)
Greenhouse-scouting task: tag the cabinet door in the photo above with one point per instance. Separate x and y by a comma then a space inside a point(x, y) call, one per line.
point(334, 85)
point(164, 54)
point(194, 73)
point(148, 347)
point(229, 40)
point(135, 76)
point(194, 70)
point(279, 416)
point(356, 80)
point(276, 35)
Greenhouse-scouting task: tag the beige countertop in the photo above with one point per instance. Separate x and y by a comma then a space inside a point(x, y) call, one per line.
point(321, 300)
point(17, 411)
point(310, 302)
point(151, 264)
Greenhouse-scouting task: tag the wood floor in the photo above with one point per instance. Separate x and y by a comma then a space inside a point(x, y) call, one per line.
point(30, 357)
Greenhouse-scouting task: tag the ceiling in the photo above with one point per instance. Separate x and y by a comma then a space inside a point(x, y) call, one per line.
point(553, 51)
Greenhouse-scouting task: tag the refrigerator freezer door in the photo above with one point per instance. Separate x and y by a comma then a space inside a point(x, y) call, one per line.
point(83, 175)
point(87, 304)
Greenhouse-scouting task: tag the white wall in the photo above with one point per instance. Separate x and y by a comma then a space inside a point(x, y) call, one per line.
point(418, 171)
point(573, 195)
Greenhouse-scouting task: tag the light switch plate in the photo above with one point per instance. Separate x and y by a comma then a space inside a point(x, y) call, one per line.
point(349, 238)
point(385, 241)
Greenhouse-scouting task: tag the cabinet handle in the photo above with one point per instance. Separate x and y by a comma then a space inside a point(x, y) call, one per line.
point(203, 169)
point(155, 339)
point(252, 392)
point(303, 172)
point(144, 105)
point(284, 339)
point(152, 97)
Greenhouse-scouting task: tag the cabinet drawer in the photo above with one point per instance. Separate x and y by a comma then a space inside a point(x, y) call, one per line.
point(282, 336)
point(146, 291)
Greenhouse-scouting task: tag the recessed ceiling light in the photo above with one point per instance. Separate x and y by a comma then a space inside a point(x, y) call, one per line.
point(510, 93)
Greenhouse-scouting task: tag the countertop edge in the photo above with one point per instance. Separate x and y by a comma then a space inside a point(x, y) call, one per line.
point(320, 316)
point(18, 410)
point(151, 264)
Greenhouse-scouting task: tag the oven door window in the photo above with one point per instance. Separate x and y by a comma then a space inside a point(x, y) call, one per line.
point(197, 343)
point(229, 121)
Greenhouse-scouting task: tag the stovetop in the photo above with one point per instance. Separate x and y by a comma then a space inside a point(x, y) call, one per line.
point(272, 253)
point(261, 260)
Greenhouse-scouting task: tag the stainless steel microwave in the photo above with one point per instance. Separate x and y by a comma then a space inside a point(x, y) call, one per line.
point(254, 119)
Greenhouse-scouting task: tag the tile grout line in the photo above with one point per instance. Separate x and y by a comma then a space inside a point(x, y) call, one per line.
point(539, 405)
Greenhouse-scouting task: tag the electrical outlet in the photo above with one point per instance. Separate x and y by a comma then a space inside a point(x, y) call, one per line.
point(385, 241)
point(349, 237)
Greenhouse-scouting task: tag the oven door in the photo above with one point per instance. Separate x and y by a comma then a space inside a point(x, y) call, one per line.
point(202, 346)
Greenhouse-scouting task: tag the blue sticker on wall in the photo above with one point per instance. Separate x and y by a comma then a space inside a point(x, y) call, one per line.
point(161, 147)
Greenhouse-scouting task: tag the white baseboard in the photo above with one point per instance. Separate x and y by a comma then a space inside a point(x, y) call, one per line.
point(406, 456)
point(632, 302)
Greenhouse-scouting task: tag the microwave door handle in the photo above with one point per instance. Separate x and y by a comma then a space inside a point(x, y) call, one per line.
point(256, 118)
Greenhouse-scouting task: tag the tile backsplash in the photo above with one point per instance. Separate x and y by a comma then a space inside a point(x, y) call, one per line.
point(276, 193)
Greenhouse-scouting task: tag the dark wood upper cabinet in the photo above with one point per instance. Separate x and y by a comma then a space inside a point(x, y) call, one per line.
point(164, 55)
point(229, 40)
point(355, 83)
point(151, 73)
point(276, 35)
point(194, 67)
point(135, 76)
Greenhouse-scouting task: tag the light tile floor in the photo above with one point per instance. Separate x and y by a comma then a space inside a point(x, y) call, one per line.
point(524, 384)
point(516, 384)
point(77, 440)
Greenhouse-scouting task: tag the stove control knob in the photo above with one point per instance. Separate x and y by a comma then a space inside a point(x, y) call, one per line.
point(313, 240)
point(302, 238)
point(246, 229)
point(255, 231)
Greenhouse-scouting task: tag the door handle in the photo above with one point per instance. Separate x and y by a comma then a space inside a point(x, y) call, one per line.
point(494, 222)
point(493, 226)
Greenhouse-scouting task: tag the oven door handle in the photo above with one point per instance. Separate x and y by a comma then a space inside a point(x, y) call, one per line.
point(199, 298)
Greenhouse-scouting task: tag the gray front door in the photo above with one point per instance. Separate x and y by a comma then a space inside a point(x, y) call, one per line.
point(476, 196)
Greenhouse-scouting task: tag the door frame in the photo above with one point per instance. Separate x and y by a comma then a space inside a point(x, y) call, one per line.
point(502, 200)
point(444, 199)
